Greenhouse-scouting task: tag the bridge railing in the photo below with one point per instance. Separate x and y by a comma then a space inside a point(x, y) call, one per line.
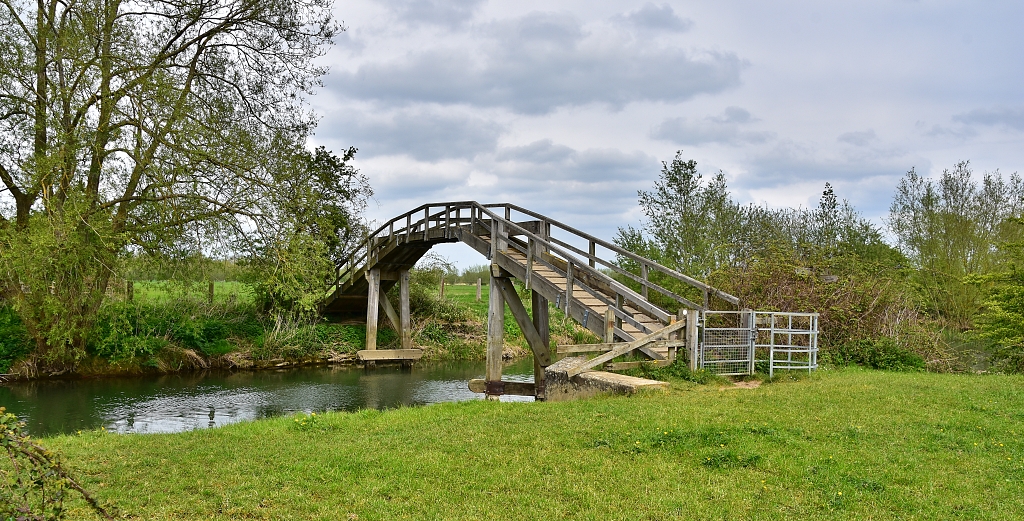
point(440, 221)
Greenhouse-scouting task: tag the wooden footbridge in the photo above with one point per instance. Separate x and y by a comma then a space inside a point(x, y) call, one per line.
point(557, 263)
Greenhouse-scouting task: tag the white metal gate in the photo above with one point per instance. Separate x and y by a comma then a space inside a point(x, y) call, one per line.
point(733, 342)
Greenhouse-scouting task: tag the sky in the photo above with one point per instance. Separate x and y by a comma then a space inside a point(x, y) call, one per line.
point(568, 108)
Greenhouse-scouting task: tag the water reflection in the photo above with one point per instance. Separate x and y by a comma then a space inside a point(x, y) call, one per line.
point(174, 403)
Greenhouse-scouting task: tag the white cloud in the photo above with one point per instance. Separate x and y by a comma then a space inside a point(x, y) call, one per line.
point(537, 63)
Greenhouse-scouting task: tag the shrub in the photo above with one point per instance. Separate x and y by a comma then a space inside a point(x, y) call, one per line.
point(883, 353)
point(14, 339)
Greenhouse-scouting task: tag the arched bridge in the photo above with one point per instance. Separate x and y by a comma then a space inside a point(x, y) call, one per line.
point(557, 263)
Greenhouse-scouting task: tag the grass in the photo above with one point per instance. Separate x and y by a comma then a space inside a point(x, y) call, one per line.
point(163, 292)
point(849, 444)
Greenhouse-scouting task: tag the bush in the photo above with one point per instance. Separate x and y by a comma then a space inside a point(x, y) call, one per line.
point(883, 353)
point(14, 340)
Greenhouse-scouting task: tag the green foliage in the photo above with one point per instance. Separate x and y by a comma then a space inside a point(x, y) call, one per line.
point(14, 339)
point(128, 130)
point(33, 482)
point(1001, 320)
point(882, 353)
point(949, 228)
point(129, 330)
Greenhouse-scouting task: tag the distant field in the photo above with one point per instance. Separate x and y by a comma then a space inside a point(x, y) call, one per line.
point(851, 444)
point(160, 291)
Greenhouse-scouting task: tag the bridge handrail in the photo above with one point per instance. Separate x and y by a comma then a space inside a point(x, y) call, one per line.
point(347, 268)
point(626, 253)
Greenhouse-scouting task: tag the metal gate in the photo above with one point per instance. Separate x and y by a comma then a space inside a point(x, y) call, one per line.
point(733, 342)
point(727, 343)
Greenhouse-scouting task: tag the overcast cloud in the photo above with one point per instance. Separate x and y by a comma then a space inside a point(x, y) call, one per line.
point(568, 107)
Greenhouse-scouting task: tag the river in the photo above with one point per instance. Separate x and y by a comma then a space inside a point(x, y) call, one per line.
point(182, 402)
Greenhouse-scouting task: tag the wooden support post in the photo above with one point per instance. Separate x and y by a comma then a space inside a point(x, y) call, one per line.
point(609, 325)
point(372, 304)
point(540, 323)
point(692, 346)
point(403, 304)
point(495, 339)
point(511, 297)
point(479, 284)
point(209, 294)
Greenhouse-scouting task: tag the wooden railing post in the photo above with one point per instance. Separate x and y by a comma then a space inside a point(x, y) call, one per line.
point(568, 287)
point(643, 275)
point(426, 224)
point(593, 253)
point(529, 262)
point(609, 325)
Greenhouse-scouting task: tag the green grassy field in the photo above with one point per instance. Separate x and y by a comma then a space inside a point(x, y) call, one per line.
point(849, 444)
point(223, 291)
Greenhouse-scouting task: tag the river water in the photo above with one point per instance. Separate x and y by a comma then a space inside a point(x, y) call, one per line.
point(181, 402)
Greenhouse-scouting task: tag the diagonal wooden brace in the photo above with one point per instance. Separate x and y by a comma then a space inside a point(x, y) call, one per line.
point(540, 350)
point(625, 348)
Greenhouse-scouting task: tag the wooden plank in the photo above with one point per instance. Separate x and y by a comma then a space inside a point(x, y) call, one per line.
point(479, 385)
point(537, 345)
point(608, 346)
point(622, 366)
point(376, 355)
point(373, 278)
point(619, 351)
point(389, 311)
point(405, 317)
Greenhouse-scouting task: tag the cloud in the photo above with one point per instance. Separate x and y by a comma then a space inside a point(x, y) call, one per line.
point(447, 13)
point(656, 18)
point(538, 63)
point(1012, 118)
point(422, 134)
point(725, 129)
point(860, 139)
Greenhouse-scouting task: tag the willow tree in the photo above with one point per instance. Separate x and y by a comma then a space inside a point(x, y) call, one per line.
point(142, 124)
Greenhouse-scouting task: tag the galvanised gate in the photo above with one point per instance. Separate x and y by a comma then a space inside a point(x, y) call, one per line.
point(734, 342)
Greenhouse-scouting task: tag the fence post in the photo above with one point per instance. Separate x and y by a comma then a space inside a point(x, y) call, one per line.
point(692, 347)
point(479, 282)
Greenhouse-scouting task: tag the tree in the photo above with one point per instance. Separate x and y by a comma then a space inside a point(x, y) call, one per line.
point(949, 228)
point(145, 125)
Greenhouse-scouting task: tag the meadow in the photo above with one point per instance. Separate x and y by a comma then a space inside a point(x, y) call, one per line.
point(839, 444)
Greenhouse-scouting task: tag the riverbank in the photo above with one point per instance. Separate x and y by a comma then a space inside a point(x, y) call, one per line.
point(848, 444)
point(161, 333)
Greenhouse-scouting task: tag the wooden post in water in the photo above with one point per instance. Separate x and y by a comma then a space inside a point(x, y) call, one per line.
point(372, 305)
point(540, 321)
point(495, 339)
point(403, 305)
point(479, 283)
